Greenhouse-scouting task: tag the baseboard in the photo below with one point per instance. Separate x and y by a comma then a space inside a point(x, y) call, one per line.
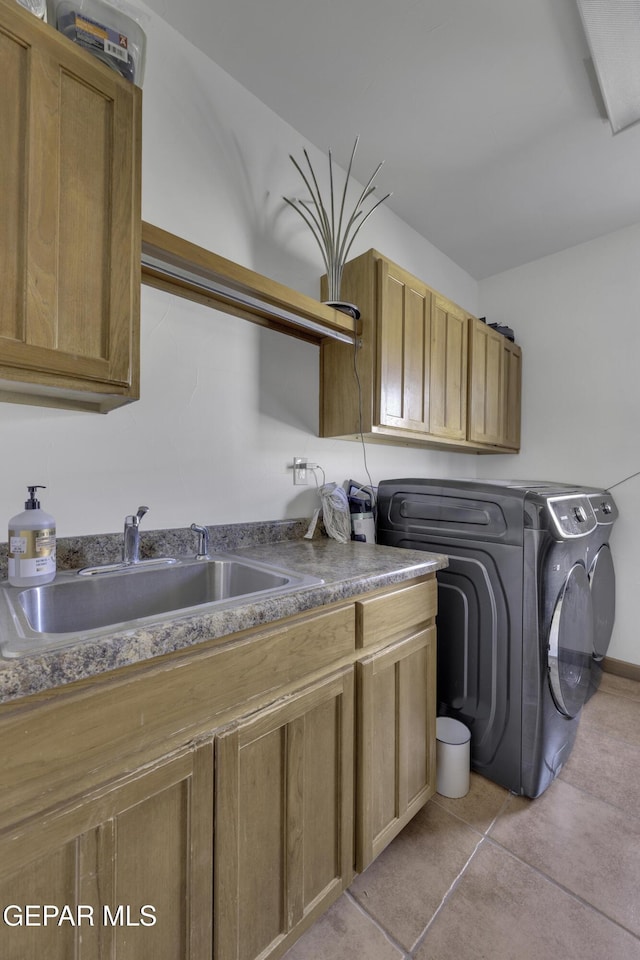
point(631, 671)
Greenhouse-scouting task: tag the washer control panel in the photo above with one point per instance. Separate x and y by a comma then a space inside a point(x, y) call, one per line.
point(573, 515)
point(604, 507)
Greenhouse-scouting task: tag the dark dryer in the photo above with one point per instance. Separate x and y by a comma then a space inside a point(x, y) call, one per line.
point(516, 625)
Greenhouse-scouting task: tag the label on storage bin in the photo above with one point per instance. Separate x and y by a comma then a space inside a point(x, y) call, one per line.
point(32, 553)
point(94, 34)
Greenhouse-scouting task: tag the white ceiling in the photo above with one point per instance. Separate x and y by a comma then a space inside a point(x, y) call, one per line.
point(486, 112)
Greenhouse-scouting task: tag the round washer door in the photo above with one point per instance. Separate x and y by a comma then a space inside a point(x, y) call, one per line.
point(603, 593)
point(571, 643)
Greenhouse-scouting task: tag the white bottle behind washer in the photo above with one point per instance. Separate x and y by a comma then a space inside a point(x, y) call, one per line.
point(32, 545)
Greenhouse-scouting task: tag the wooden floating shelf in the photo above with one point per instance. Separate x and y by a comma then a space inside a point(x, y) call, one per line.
point(187, 270)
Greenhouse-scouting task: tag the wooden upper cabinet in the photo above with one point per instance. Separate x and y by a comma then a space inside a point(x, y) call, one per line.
point(494, 388)
point(69, 222)
point(404, 349)
point(448, 413)
point(424, 371)
point(485, 383)
point(511, 391)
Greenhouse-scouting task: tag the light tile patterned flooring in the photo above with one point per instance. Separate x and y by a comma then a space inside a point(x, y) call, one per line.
point(501, 877)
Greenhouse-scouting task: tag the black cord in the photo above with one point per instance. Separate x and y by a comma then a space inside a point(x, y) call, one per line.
point(630, 477)
point(364, 448)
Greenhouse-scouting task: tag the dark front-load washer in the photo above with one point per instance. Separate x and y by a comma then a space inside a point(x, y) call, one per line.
point(515, 614)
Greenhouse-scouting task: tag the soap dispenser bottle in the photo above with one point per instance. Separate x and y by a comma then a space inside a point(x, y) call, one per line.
point(32, 544)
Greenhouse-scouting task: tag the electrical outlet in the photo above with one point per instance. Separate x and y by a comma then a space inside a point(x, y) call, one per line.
point(300, 470)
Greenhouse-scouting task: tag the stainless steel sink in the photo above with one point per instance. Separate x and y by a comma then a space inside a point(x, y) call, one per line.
point(73, 608)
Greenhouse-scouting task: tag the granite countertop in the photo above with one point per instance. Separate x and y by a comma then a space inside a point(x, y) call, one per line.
point(347, 570)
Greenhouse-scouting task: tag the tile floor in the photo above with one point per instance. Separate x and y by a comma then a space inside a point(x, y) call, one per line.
point(501, 877)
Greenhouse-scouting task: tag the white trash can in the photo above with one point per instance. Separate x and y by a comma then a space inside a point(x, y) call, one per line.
point(453, 757)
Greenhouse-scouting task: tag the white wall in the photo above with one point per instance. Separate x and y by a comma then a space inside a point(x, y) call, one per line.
point(576, 315)
point(225, 404)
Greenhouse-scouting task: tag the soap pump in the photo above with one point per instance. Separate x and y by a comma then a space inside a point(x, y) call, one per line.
point(32, 544)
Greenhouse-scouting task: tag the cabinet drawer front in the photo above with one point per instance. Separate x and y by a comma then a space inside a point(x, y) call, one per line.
point(382, 619)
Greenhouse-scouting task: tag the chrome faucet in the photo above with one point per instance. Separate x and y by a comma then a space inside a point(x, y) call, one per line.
point(130, 551)
point(203, 541)
point(131, 544)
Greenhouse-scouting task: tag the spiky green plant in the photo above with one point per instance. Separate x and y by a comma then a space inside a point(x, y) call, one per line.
point(333, 229)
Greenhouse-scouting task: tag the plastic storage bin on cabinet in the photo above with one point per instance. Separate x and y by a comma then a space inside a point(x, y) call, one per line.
point(453, 757)
point(107, 32)
point(37, 7)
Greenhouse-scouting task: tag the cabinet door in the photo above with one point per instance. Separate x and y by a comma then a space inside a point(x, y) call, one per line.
point(448, 373)
point(396, 740)
point(511, 390)
point(69, 217)
point(284, 819)
point(486, 402)
point(404, 348)
point(131, 864)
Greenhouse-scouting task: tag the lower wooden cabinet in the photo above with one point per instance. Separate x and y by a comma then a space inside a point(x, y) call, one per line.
point(396, 740)
point(169, 823)
point(128, 870)
point(284, 819)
